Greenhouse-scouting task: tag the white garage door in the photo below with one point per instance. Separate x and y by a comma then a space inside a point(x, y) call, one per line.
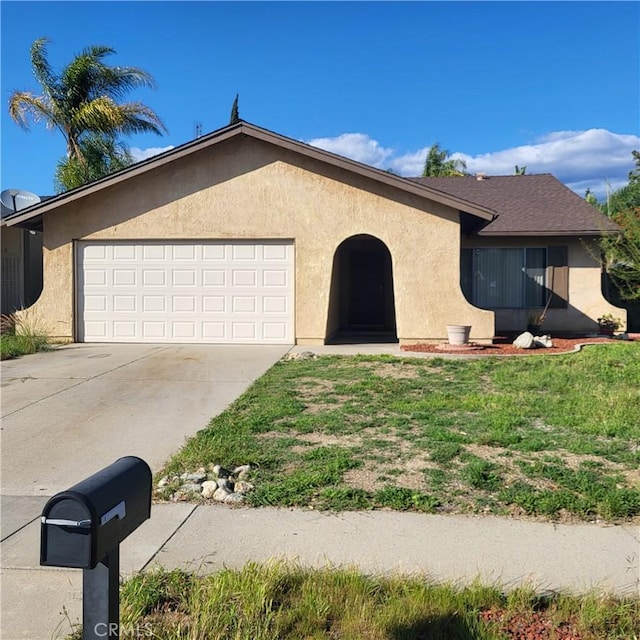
point(206, 292)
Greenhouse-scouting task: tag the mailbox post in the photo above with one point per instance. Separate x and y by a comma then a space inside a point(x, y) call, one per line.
point(83, 527)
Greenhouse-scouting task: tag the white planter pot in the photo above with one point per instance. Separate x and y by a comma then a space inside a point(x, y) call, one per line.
point(458, 333)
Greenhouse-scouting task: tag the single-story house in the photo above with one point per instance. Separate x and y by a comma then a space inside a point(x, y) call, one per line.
point(246, 236)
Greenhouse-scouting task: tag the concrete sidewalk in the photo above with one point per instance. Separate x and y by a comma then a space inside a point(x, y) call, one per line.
point(206, 538)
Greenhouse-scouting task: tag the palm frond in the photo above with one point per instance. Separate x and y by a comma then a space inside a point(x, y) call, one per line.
point(42, 69)
point(24, 105)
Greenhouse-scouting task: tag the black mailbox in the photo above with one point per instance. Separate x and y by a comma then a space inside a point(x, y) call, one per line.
point(82, 525)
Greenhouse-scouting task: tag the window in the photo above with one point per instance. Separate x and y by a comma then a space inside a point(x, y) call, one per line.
point(507, 278)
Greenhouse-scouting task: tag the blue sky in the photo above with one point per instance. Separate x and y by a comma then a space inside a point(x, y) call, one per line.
point(550, 85)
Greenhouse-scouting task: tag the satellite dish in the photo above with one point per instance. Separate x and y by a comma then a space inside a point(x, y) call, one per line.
point(16, 199)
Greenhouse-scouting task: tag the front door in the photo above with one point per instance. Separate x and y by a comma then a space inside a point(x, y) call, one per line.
point(367, 300)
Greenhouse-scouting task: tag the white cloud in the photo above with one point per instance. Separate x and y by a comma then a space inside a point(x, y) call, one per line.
point(357, 146)
point(596, 158)
point(142, 154)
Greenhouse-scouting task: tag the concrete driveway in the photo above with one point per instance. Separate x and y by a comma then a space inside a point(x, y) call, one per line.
point(70, 412)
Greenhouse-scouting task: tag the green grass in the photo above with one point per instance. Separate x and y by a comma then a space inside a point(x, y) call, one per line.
point(283, 601)
point(14, 346)
point(553, 436)
point(20, 338)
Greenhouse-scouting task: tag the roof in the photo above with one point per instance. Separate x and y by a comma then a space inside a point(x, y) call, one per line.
point(6, 212)
point(32, 217)
point(529, 205)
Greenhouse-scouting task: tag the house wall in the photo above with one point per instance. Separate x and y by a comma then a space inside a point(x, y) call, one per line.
point(243, 189)
point(586, 301)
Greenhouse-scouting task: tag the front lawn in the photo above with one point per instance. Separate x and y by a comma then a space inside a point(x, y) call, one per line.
point(551, 436)
point(277, 601)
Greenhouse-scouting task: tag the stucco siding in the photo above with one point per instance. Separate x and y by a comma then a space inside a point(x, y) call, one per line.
point(249, 189)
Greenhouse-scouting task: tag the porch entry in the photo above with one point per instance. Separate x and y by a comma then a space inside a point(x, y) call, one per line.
point(361, 305)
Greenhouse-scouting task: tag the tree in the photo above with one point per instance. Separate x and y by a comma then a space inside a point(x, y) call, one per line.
point(102, 155)
point(621, 252)
point(83, 103)
point(235, 114)
point(634, 174)
point(437, 163)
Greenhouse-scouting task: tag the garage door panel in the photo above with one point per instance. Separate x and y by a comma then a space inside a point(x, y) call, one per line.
point(213, 292)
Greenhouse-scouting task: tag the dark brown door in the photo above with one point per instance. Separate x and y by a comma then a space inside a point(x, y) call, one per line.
point(367, 272)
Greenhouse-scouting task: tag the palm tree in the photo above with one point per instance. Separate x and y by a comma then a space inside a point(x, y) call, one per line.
point(438, 164)
point(82, 102)
point(101, 156)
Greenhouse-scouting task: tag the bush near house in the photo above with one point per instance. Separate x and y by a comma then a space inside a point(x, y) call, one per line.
point(20, 339)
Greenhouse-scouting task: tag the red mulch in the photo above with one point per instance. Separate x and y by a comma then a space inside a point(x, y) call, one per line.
point(504, 347)
point(536, 625)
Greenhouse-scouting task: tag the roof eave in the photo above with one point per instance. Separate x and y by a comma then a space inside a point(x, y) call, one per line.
point(574, 233)
point(244, 128)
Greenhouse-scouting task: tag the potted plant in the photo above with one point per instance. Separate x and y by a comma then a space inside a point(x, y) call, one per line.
point(458, 334)
point(607, 324)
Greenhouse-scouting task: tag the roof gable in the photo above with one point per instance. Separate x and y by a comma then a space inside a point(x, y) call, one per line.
point(32, 217)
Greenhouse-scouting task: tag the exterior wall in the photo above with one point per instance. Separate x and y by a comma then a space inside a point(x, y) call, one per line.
point(243, 189)
point(586, 301)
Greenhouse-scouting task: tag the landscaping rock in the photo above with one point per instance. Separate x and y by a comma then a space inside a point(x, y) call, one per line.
point(221, 472)
point(525, 341)
point(190, 487)
point(234, 498)
point(193, 477)
point(163, 482)
point(543, 341)
point(243, 487)
point(220, 494)
point(209, 487)
point(304, 355)
point(225, 483)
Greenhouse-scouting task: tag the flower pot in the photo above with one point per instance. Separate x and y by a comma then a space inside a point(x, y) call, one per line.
point(458, 333)
point(606, 331)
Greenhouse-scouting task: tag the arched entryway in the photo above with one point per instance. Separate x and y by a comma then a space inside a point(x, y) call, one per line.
point(361, 303)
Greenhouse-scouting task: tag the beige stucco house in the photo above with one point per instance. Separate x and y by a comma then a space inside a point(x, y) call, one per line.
point(245, 236)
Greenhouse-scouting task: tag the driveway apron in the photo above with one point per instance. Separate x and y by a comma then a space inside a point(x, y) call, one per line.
point(69, 413)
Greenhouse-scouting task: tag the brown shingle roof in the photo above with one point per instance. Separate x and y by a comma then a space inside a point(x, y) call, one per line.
point(527, 205)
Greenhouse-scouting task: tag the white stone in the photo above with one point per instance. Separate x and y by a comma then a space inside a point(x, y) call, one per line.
point(543, 341)
point(193, 477)
point(220, 494)
point(234, 498)
point(524, 341)
point(190, 487)
point(225, 483)
point(209, 487)
point(163, 482)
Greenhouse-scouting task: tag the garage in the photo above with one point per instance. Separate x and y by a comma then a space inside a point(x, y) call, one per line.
point(236, 292)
